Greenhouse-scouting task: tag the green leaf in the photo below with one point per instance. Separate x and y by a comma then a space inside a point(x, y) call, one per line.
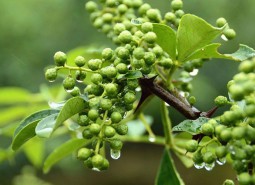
point(34, 150)
point(11, 95)
point(131, 75)
point(191, 126)
point(167, 174)
point(194, 33)
point(166, 39)
point(72, 106)
point(26, 129)
point(63, 151)
point(45, 127)
point(211, 51)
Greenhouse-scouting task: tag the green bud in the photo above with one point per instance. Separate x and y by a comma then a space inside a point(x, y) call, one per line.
point(69, 83)
point(94, 64)
point(87, 134)
point(144, 8)
point(129, 98)
point(97, 161)
point(95, 128)
point(225, 135)
point(176, 4)
point(191, 145)
point(96, 78)
point(221, 101)
point(170, 17)
point(238, 133)
point(80, 75)
point(106, 104)
point(116, 117)
point(109, 131)
point(116, 144)
point(125, 37)
point(149, 58)
point(122, 8)
point(122, 68)
point(111, 89)
point(146, 27)
point(207, 129)
point(84, 154)
point(209, 157)
point(91, 6)
point(246, 66)
point(150, 37)
point(123, 53)
point(138, 53)
point(83, 120)
point(228, 182)
point(75, 91)
point(229, 33)
point(122, 129)
point(93, 114)
point(197, 157)
point(221, 152)
point(118, 28)
point(107, 53)
point(220, 22)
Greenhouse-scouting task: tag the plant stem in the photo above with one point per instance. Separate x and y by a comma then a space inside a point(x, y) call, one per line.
point(167, 125)
point(146, 125)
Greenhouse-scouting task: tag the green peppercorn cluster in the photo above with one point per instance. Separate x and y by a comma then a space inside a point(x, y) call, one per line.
point(231, 135)
point(228, 32)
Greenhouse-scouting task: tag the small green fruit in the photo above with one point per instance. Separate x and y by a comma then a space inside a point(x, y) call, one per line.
point(109, 131)
point(116, 144)
point(84, 154)
point(191, 146)
point(176, 4)
point(97, 161)
point(69, 83)
point(95, 128)
point(51, 74)
point(79, 61)
point(93, 114)
point(60, 58)
point(116, 117)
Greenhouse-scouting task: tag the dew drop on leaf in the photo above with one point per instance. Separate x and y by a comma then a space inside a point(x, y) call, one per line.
point(115, 154)
point(55, 105)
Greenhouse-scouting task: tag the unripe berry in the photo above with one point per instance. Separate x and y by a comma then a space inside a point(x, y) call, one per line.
point(79, 61)
point(197, 157)
point(221, 22)
point(94, 64)
point(170, 17)
point(109, 71)
point(83, 120)
point(239, 166)
point(98, 23)
point(221, 152)
point(225, 135)
point(109, 131)
point(91, 6)
point(107, 53)
point(244, 178)
point(116, 144)
point(191, 146)
point(129, 98)
point(94, 128)
point(158, 51)
point(97, 161)
point(207, 129)
point(122, 8)
point(179, 14)
point(122, 68)
point(176, 4)
point(118, 28)
point(237, 92)
point(87, 134)
point(111, 89)
point(220, 101)
point(166, 63)
point(116, 117)
point(110, 3)
point(150, 37)
point(94, 102)
point(238, 133)
point(125, 37)
point(105, 165)
point(80, 75)
point(146, 27)
point(93, 114)
point(107, 17)
point(132, 84)
point(84, 154)
point(122, 129)
point(246, 66)
point(60, 58)
point(96, 78)
point(229, 33)
point(105, 104)
point(209, 157)
point(144, 8)
point(69, 83)
point(51, 74)
point(138, 53)
point(153, 14)
point(75, 91)
point(192, 100)
point(250, 110)
point(149, 58)
point(123, 53)
point(137, 3)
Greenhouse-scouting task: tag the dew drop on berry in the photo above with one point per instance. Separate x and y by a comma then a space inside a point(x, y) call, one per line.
point(223, 37)
point(221, 161)
point(210, 166)
point(79, 81)
point(95, 169)
point(115, 154)
point(199, 166)
point(69, 90)
point(194, 72)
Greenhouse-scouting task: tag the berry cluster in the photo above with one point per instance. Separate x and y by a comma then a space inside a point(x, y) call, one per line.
point(232, 135)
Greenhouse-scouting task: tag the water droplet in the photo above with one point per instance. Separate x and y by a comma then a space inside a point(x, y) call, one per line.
point(115, 154)
point(221, 161)
point(199, 166)
point(138, 89)
point(152, 138)
point(209, 167)
point(51, 80)
point(44, 133)
point(69, 90)
point(224, 37)
point(79, 81)
point(167, 104)
point(194, 72)
point(95, 169)
point(55, 105)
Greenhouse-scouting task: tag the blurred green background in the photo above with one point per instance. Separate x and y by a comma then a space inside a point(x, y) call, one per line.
point(32, 31)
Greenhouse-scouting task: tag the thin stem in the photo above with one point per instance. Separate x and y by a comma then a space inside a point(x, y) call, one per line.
point(167, 125)
point(75, 68)
point(147, 126)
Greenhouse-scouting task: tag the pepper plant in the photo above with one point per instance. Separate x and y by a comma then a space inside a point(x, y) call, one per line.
point(154, 55)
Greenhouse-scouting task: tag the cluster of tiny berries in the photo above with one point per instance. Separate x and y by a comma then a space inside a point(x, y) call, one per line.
point(233, 133)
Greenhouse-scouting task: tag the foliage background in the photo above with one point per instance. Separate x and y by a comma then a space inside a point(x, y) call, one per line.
point(32, 31)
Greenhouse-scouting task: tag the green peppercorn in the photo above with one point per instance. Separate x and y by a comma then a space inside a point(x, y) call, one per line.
point(153, 14)
point(84, 154)
point(138, 53)
point(109, 131)
point(149, 58)
point(220, 22)
point(123, 53)
point(176, 4)
point(97, 161)
point(209, 157)
point(75, 91)
point(94, 64)
point(221, 152)
point(60, 58)
point(228, 182)
point(146, 27)
point(197, 157)
point(98, 23)
point(144, 8)
point(83, 120)
point(80, 75)
point(132, 84)
point(122, 68)
point(109, 71)
point(191, 145)
point(93, 114)
point(116, 117)
point(69, 83)
point(87, 134)
point(238, 133)
point(225, 135)
point(118, 28)
point(116, 144)
point(246, 66)
point(207, 129)
point(170, 17)
point(51, 74)
point(79, 61)
point(105, 165)
point(179, 13)
point(121, 129)
point(96, 78)
point(129, 97)
point(150, 37)
point(94, 128)
point(125, 37)
point(244, 178)
point(91, 6)
point(111, 89)
point(221, 101)
point(122, 8)
point(229, 33)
